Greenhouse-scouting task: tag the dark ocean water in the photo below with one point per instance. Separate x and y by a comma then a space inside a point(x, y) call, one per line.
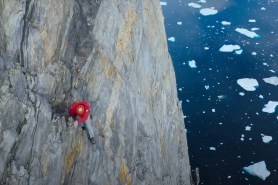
point(223, 128)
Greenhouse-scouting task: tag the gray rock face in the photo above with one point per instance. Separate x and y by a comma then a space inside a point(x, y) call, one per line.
point(112, 53)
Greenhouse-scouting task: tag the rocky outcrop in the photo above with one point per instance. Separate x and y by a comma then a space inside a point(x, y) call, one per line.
point(112, 53)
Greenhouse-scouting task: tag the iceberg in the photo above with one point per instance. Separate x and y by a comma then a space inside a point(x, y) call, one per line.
point(270, 107)
point(272, 71)
point(194, 5)
point(208, 11)
point(241, 93)
point(254, 53)
point(249, 84)
point(247, 33)
point(229, 48)
point(172, 39)
point(192, 64)
point(238, 52)
point(207, 87)
point(261, 96)
point(225, 23)
point(163, 3)
point(257, 169)
point(212, 148)
point(263, 8)
point(206, 48)
point(247, 128)
point(179, 23)
point(251, 20)
point(202, 1)
point(254, 29)
point(266, 139)
point(272, 80)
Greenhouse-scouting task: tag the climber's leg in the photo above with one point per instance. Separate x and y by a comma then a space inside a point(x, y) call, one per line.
point(90, 131)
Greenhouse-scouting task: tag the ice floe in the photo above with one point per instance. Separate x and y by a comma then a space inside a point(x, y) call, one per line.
point(247, 128)
point(263, 8)
point(238, 52)
point(251, 20)
point(258, 169)
point(192, 64)
point(207, 87)
point(162, 3)
point(241, 93)
point(272, 80)
point(202, 1)
point(172, 39)
point(247, 33)
point(179, 23)
point(261, 96)
point(206, 48)
point(212, 148)
point(270, 107)
point(229, 48)
point(194, 5)
point(266, 139)
point(255, 29)
point(249, 84)
point(212, 110)
point(225, 23)
point(254, 53)
point(272, 71)
point(208, 11)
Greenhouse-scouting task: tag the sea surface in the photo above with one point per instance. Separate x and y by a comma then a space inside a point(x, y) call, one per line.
point(225, 123)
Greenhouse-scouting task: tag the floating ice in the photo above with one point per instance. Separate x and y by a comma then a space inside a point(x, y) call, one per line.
point(202, 1)
point(272, 80)
point(258, 169)
point(249, 84)
point(270, 107)
point(208, 11)
point(241, 93)
point(265, 64)
point(207, 87)
point(247, 33)
point(247, 128)
point(263, 8)
point(261, 96)
point(229, 48)
point(254, 53)
point(192, 64)
point(194, 5)
point(238, 52)
point(212, 148)
point(225, 23)
point(163, 3)
point(251, 20)
point(266, 139)
point(179, 23)
point(272, 71)
point(172, 39)
point(212, 110)
point(206, 48)
point(254, 29)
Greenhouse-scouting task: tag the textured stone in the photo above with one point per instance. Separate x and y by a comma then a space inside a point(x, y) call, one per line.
point(112, 53)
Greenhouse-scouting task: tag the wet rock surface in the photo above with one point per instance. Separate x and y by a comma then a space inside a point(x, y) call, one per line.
point(114, 55)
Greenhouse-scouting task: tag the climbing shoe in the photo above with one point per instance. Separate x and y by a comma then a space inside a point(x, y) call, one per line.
point(93, 140)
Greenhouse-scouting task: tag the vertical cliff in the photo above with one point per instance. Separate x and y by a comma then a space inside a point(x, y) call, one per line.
point(112, 53)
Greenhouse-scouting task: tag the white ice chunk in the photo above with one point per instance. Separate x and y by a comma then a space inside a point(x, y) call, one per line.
point(172, 39)
point(263, 8)
point(247, 33)
point(241, 93)
point(254, 29)
point(207, 87)
point(261, 96)
point(212, 110)
point(272, 71)
point(212, 148)
point(194, 5)
point(206, 48)
point(225, 23)
point(179, 23)
point(163, 3)
point(258, 169)
point(251, 20)
point(229, 48)
point(270, 107)
point(247, 128)
point(254, 53)
point(249, 84)
point(202, 1)
point(272, 80)
point(238, 52)
point(208, 11)
point(192, 64)
point(266, 139)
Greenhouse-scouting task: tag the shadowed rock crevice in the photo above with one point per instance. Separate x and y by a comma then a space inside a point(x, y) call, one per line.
point(112, 53)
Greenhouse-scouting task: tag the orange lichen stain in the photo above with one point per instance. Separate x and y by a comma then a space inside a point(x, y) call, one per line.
point(124, 176)
point(108, 69)
point(76, 149)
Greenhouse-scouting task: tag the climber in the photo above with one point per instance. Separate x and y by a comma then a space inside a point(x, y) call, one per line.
point(80, 112)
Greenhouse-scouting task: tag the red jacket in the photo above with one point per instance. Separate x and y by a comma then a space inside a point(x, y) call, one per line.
point(86, 114)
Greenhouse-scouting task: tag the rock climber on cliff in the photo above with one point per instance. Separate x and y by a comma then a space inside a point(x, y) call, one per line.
point(80, 112)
